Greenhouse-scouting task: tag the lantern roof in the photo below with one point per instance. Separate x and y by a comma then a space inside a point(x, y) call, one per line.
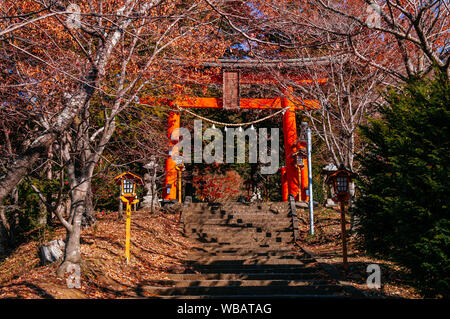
point(329, 168)
point(128, 176)
point(301, 152)
point(342, 171)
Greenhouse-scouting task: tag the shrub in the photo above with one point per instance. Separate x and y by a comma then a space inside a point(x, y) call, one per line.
point(104, 189)
point(219, 188)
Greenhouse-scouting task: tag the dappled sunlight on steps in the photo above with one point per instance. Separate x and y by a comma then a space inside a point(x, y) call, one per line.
point(244, 251)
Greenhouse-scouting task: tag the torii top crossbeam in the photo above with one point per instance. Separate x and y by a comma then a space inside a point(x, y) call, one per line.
point(249, 71)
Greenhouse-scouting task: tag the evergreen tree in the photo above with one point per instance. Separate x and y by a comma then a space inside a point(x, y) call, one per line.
point(404, 202)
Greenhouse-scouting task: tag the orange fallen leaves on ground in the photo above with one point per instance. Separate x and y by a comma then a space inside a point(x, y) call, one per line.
point(327, 245)
point(157, 247)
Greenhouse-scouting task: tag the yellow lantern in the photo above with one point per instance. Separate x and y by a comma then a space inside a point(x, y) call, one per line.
point(128, 183)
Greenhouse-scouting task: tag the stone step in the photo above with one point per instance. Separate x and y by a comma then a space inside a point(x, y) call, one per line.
point(241, 224)
point(233, 256)
point(238, 224)
point(234, 217)
point(268, 297)
point(267, 268)
point(234, 223)
point(257, 261)
point(241, 283)
point(234, 231)
point(244, 290)
point(238, 247)
point(237, 253)
point(238, 221)
point(251, 243)
point(202, 219)
point(237, 212)
point(250, 255)
point(246, 276)
point(261, 206)
point(230, 215)
point(224, 254)
point(243, 237)
point(264, 257)
point(238, 231)
point(240, 209)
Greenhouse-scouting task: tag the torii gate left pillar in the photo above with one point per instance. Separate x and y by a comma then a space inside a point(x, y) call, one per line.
point(170, 189)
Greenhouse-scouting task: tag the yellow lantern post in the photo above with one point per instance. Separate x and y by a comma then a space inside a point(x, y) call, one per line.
point(179, 167)
point(128, 231)
point(128, 183)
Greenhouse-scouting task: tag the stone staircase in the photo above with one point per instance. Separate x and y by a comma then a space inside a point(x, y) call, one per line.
point(245, 251)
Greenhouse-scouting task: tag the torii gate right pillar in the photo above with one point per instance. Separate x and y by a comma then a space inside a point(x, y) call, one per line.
point(290, 147)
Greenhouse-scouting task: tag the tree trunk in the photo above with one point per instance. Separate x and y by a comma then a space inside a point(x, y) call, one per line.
point(154, 194)
point(120, 213)
point(68, 204)
point(353, 219)
point(48, 165)
point(4, 232)
point(3, 241)
point(18, 170)
point(72, 253)
point(88, 215)
point(43, 214)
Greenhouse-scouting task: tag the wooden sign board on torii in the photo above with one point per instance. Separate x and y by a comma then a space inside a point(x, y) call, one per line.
point(235, 73)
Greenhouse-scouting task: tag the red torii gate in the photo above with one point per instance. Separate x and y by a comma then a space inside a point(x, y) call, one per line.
point(292, 182)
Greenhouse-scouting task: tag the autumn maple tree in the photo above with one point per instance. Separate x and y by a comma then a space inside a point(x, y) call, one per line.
point(214, 187)
point(63, 70)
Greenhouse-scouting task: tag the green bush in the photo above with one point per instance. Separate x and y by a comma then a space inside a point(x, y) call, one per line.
point(404, 202)
point(29, 220)
point(104, 189)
